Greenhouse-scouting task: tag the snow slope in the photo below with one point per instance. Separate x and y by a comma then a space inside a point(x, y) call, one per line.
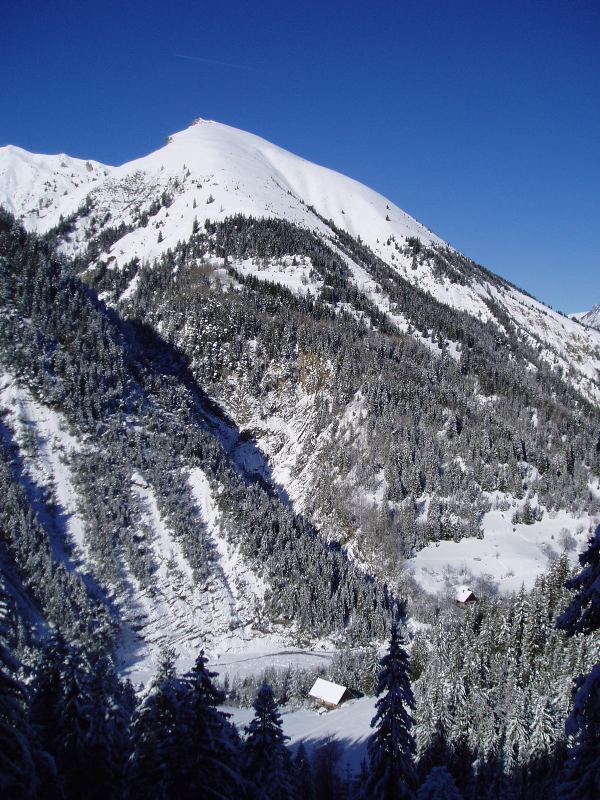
point(510, 555)
point(242, 172)
point(220, 617)
point(350, 724)
point(34, 186)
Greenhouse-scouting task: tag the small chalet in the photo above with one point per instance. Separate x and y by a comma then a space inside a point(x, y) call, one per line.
point(464, 596)
point(327, 694)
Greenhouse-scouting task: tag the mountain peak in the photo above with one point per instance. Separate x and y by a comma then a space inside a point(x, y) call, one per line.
point(242, 173)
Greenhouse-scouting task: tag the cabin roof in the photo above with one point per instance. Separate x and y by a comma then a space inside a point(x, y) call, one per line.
point(327, 691)
point(463, 593)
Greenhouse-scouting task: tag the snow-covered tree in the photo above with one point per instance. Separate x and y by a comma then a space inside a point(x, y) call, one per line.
point(265, 757)
point(439, 785)
point(583, 614)
point(212, 748)
point(73, 720)
point(582, 774)
point(156, 738)
point(391, 773)
point(108, 732)
point(46, 694)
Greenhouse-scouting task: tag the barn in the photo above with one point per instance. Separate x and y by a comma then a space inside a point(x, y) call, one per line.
point(464, 596)
point(327, 694)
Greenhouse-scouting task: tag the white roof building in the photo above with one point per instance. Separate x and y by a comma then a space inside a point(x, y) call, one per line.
point(328, 693)
point(464, 595)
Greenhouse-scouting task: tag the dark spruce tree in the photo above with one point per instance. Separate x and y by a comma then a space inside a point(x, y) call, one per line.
point(302, 774)
point(110, 708)
point(212, 750)
point(46, 697)
point(80, 713)
point(72, 719)
point(18, 776)
point(439, 785)
point(183, 746)
point(265, 757)
point(582, 773)
point(391, 771)
point(157, 736)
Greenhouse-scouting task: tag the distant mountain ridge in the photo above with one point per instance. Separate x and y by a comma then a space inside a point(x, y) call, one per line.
point(590, 317)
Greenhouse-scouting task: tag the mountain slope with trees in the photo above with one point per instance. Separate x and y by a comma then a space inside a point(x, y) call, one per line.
point(238, 394)
point(147, 471)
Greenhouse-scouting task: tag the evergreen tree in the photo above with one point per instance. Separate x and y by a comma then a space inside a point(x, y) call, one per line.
point(211, 761)
point(583, 613)
point(18, 777)
point(80, 717)
point(108, 733)
point(391, 773)
point(157, 737)
point(439, 785)
point(46, 696)
point(72, 726)
point(582, 773)
point(265, 756)
point(303, 775)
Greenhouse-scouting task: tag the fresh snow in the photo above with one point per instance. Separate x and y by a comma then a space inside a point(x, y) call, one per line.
point(34, 186)
point(509, 555)
point(45, 444)
point(590, 317)
point(230, 172)
point(219, 617)
point(293, 272)
point(350, 724)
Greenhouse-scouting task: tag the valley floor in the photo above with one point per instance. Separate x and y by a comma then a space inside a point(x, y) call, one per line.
point(350, 725)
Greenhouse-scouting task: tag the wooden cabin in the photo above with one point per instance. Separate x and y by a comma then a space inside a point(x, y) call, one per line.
point(328, 694)
point(464, 596)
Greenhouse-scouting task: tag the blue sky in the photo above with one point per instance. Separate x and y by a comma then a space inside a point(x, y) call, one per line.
point(481, 119)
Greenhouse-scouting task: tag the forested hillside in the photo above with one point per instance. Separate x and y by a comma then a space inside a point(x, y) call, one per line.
point(396, 392)
point(403, 438)
point(140, 422)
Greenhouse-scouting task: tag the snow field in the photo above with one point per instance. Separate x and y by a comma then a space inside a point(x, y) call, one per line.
point(350, 724)
point(509, 556)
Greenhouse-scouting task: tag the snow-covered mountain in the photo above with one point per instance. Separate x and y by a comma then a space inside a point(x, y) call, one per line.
point(418, 412)
point(128, 519)
point(242, 172)
point(212, 171)
point(32, 184)
point(590, 317)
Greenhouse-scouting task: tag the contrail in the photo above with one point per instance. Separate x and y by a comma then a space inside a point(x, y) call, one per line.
point(220, 63)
